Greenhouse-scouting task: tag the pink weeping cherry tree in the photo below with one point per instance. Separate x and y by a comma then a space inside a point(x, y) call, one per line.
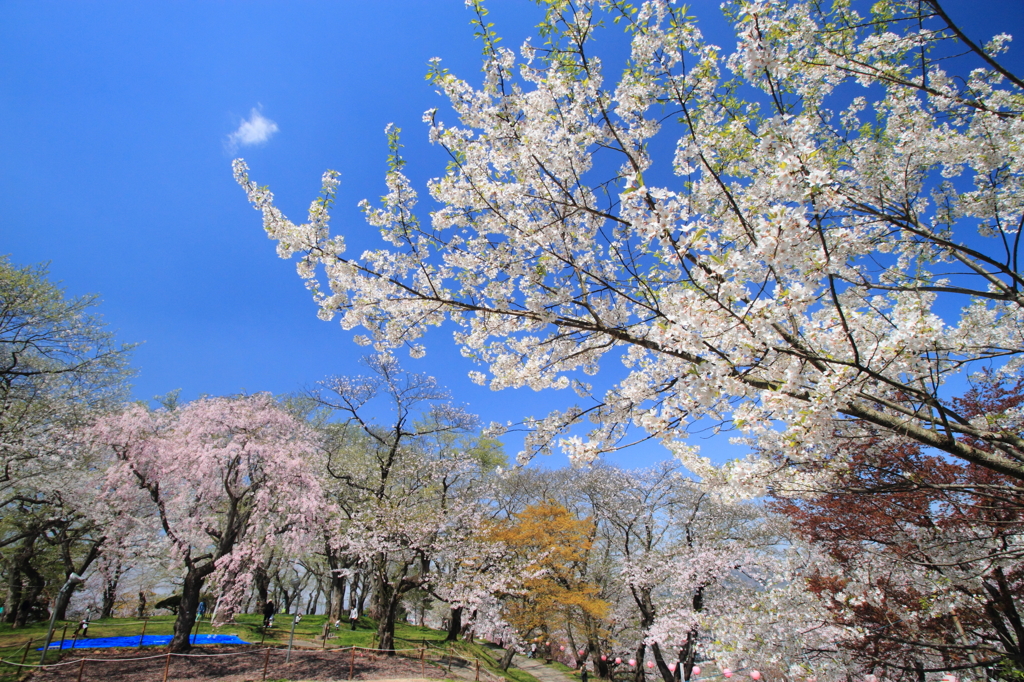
point(223, 480)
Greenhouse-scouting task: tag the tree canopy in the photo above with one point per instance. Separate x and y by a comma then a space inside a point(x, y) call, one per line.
point(226, 480)
point(58, 365)
point(59, 369)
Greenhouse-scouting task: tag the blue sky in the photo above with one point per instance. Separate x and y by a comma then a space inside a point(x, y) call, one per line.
point(115, 150)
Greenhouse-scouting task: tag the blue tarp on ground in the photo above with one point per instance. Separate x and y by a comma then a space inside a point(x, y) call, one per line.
point(148, 640)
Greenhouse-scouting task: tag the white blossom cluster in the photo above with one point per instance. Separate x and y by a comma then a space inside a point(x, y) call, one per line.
point(821, 225)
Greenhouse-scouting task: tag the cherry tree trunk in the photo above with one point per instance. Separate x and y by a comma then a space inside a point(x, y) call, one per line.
point(666, 674)
point(378, 598)
point(506, 659)
point(454, 624)
point(262, 582)
point(686, 656)
point(224, 611)
point(13, 594)
point(689, 652)
point(30, 595)
point(387, 601)
point(639, 675)
point(60, 606)
point(360, 600)
point(286, 597)
point(337, 596)
point(188, 610)
point(313, 601)
point(109, 597)
point(21, 588)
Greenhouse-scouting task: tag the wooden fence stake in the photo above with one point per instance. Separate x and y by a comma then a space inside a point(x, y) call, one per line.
point(25, 654)
point(81, 668)
point(144, 624)
point(167, 665)
point(478, 670)
point(266, 662)
point(451, 651)
point(423, 664)
point(63, 634)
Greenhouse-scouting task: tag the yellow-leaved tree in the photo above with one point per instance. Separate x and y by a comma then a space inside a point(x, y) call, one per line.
point(556, 597)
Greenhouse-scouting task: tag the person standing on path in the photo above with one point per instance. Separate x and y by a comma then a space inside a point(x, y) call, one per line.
point(353, 617)
point(268, 613)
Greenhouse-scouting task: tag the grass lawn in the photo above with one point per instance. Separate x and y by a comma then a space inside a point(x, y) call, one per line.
point(249, 628)
point(562, 667)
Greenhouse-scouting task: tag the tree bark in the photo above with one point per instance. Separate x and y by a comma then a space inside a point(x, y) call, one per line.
point(639, 675)
point(64, 598)
point(454, 624)
point(13, 594)
point(506, 659)
point(16, 611)
point(335, 604)
point(387, 601)
point(60, 606)
point(188, 609)
point(645, 604)
point(1003, 615)
point(285, 596)
point(361, 600)
point(686, 657)
point(666, 674)
point(224, 611)
point(30, 592)
point(379, 598)
point(593, 646)
point(573, 651)
point(313, 602)
point(262, 581)
point(337, 582)
point(109, 595)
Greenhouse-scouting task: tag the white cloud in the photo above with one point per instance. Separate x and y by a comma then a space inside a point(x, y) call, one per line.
point(252, 131)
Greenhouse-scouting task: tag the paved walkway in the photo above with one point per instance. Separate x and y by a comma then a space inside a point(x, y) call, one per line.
point(534, 667)
point(539, 670)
